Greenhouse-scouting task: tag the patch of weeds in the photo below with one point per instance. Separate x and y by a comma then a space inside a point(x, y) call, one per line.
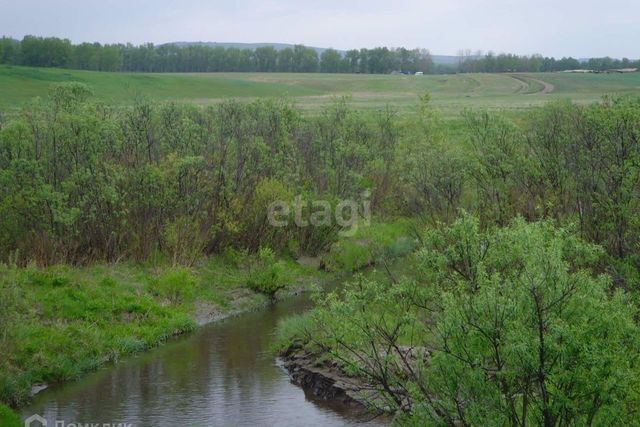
point(177, 285)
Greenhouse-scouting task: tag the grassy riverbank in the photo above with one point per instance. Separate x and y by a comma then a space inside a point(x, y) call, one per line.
point(66, 321)
point(8, 418)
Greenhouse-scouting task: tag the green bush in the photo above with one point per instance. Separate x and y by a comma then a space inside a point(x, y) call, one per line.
point(349, 255)
point(526, 329)
point(235, 258)
point(267, 275)
point(375, 243)
point(177, 285)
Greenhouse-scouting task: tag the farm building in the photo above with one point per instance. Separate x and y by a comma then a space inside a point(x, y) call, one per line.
point(623, 70)
point(578, 71)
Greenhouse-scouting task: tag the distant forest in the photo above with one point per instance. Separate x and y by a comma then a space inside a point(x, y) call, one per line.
point(55, 52)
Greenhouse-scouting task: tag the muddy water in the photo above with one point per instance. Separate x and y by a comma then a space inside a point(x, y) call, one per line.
point(222, 375)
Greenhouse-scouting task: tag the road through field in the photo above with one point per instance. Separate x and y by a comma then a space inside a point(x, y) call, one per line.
point(546, 87)
point(526, 87)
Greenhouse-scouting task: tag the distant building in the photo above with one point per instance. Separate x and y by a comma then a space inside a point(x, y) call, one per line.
point(612, 70)
point(578, 71)
point(623, 70)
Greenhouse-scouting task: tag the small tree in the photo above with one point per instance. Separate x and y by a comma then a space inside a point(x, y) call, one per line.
point(267, 276)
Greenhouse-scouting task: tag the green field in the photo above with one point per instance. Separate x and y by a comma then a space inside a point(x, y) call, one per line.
point(311, 91)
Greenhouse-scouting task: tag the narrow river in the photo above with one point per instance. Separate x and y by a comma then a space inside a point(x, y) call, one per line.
point(222, 375)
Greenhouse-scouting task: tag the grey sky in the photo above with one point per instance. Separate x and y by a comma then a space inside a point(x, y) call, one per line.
point(579, 28)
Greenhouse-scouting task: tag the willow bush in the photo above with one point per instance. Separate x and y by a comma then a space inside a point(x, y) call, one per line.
point(82, 181)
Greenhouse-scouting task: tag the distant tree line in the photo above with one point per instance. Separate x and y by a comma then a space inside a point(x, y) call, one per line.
point(492, 63)
point(54, 52)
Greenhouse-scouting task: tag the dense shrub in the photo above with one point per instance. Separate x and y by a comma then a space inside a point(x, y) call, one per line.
point(503, 327)
point(82, 182)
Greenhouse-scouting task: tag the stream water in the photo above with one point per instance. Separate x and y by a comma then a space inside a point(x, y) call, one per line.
point(222, 375)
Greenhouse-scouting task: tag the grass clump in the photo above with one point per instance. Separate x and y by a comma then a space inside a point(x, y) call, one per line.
point(177, 285)
point(293, 331)
point(8, 418)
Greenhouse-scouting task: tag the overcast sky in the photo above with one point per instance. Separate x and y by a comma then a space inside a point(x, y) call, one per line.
point(579, 28)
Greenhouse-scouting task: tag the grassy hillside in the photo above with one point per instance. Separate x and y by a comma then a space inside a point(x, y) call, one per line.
point(450, 92)
point(18, 84)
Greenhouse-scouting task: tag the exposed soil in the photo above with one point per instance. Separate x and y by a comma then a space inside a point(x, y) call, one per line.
point(525, 85)
point(327, 381)
point(546, 87)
